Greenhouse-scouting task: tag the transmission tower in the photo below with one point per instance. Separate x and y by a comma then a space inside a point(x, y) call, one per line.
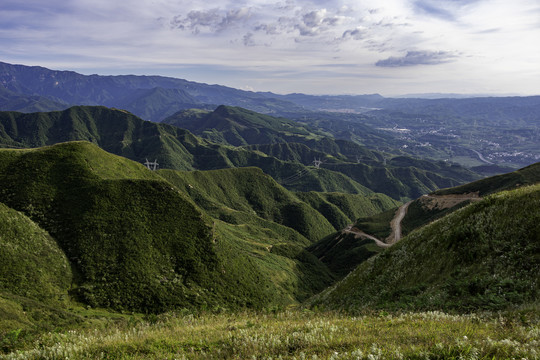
point(151, 165)
point(317, 163)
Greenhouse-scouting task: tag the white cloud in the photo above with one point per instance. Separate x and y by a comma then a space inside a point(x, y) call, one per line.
point(487, 42)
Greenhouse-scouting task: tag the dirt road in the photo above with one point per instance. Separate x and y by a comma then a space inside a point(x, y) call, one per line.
point(359, 233)
point(395, 224)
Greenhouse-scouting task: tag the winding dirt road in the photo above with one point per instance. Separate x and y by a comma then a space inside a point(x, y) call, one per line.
point(430, 201)
point(395, 224)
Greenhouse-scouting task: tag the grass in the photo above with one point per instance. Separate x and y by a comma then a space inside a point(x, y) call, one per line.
point(295, 335)
point(377, 225)
point(490, 250)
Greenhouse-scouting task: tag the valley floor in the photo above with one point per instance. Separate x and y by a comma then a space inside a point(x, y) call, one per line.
point(298, 334)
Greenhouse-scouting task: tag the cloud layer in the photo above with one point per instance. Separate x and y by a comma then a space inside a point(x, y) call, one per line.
point(413, 58)
point(317, 46)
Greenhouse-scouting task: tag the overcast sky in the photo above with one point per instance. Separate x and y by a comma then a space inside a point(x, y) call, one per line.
point(318, 47)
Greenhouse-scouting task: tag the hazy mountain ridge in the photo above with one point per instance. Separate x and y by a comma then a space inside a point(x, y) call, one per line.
point(498, 131)
point(71, 88)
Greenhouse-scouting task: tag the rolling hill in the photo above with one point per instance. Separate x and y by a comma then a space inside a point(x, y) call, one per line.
point(483, 256)
point(124, 134)
point(110, 233)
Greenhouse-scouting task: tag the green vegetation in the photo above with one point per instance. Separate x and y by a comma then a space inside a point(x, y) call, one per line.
point(419, 213)
point(490, 251)
point(124, 134)
point(377, 225)
point(237, 126)
point(297, 335)
point(229, 238)
point(249, 190)
point(527, 176)
point(342, 252)
point(405, 178)
point(31, 263)
point(342, 209)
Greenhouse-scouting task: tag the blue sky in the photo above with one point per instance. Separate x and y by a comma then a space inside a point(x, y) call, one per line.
point(389, 47)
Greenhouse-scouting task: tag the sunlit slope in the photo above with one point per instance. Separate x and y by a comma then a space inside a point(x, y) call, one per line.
point(137, 241)
point(249, 190)
point(442, 202)
point(134, 241)
point(525, 176)
point(31, 263)
point(124, 134)
point(483, 256)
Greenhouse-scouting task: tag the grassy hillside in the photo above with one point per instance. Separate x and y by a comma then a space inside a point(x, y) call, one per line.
point(428, 208)
point(133, 240)
point(249, 190)
point(31, 263)
point(405, 178)
point(298, 335)
point(483, 256)
point(139, 242)
point(347, 167)
point(342, 209)
point(526, 176)
point(237, 126)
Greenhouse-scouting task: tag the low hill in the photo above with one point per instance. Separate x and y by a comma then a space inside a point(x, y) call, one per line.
point(483, 256)
point(230, 238)
point(441, 202)
point(32, 264)
point(249, 190)
point(405, 179)
point(342, 209)
point(525, 176)
point(237, 126)
point(347, 167)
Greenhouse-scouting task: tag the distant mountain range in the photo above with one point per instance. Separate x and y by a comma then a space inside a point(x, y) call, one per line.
point(494, 134)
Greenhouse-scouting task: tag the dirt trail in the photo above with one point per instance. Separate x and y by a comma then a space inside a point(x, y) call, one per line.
point(359, 233)
point(431, 201)
point(441, 202)
point(395, 224)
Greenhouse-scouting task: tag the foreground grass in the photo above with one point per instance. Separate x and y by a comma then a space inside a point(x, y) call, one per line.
point(299, 335)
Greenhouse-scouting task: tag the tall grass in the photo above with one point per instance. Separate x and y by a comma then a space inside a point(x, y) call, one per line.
point(298, 335)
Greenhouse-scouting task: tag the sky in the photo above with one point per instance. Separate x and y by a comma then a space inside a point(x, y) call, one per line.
point(390, 47)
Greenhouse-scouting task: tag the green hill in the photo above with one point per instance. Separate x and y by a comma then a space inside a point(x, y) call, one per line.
point(441, 202)
point(229, 238)
point(237, 126)
point(347, 167)
point(405, 178)
point(483, 256)
point(249, 190)
point(31, 263)
point(526, 176)
point(342, 209)
point(133, 241)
